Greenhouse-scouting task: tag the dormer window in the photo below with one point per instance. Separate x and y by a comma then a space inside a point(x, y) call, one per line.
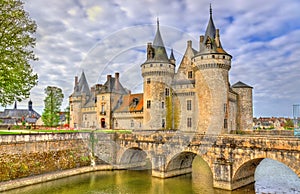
point(208, 43)
point(135, 102)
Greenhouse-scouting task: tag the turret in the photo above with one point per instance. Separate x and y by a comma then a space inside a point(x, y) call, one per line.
point(245, 106)
point(211, 65)
point(157, 71)
point(77, 100)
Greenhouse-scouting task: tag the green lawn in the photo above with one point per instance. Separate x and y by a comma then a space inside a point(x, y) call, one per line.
point(33, 131)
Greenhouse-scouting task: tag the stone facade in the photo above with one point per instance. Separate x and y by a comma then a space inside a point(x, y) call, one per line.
point(198, 97)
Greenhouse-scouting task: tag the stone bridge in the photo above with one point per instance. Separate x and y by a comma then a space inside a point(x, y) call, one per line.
point(232, 158)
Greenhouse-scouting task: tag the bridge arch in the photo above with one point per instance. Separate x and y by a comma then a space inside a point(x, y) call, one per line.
point(181, 163)
point(246, 170)
point(133, 157)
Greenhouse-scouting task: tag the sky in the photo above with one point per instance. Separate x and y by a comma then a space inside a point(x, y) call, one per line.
point(104, 37)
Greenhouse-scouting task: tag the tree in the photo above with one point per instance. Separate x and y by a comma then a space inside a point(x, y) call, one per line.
point(67, 112)
point(289, 124)
point(53, 101)
point(16, 44)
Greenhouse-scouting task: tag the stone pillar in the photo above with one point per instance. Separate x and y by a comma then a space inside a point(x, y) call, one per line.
point(222, 174)
point(158, 166)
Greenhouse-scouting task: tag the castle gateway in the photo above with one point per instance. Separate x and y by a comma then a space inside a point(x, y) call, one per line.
point(196, 98)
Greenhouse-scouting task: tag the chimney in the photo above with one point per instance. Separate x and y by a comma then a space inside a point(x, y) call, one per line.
point(149, 51)
point(93, 89)
point(108, 77)
point(117, 75)
point(201, 38)
point(117, 83)
point(189, 43)
point(201, 44)
point(218, 38)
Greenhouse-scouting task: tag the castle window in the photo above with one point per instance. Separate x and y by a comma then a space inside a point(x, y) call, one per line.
point(225, 107)
point(71, 107)
point(161, 65)
point(151, 65)
point(148, 104)
point(148, 80)
point(223, 56)
point(213, 56)
point(116, 124)
point(189, 104)
point(201, 57)
point(162, 105)
point(190, 74)
point(132, 123)
point(225, 123)
point(189, 122)
point(102, 97)
point(167, 92)
point(163, 123)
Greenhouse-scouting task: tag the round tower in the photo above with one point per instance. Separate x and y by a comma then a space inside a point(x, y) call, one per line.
point(158, 72)
point(211, 65)
point(245, 106)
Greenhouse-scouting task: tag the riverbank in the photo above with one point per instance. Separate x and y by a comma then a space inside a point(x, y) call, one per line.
point(22, 182)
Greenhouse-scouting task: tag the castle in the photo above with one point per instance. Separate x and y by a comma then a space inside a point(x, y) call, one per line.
point(198, 97)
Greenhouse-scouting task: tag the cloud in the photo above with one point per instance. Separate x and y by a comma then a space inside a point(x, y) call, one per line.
point(93, 12)
point(103, 37)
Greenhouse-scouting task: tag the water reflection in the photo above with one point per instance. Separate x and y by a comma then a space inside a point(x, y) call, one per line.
point(137, 181)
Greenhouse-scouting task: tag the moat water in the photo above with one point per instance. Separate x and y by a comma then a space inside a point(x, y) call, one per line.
point(271, 177)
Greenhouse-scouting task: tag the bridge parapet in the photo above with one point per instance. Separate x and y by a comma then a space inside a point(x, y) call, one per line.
point(232, 158)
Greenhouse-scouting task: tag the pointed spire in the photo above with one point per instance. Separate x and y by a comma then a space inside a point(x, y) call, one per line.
point(172, 55)
point(160, 53)
point(210, 29)
point(158, 39)
point(15, 107)
point(83, 84)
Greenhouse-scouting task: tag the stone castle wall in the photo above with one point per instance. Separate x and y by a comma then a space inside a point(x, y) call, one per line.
point(26, 155)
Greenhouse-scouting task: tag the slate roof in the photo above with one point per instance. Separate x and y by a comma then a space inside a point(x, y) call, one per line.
point(240, 84)
point(114, 85)
point(82, 86)
point(9, 116)
point(160, 53)
point(210, 29)
point(211, 36)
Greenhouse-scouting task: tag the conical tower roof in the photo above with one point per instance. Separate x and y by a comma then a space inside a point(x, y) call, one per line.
point(210, 29)
point(158, 45)
point(83, 86)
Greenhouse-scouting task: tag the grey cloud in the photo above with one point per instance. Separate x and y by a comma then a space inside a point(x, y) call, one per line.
point(102, 37)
